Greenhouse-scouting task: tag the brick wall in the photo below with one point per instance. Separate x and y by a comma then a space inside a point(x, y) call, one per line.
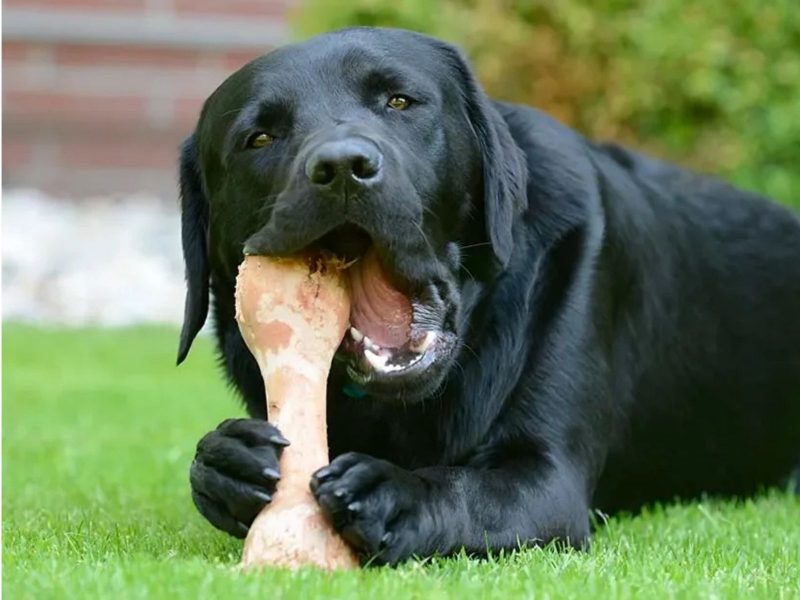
point(97, 95)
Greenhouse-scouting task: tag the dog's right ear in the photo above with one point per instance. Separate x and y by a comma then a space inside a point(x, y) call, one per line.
point(194, 235)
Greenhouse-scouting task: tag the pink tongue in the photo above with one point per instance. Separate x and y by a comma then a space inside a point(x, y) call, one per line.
point(378, 309)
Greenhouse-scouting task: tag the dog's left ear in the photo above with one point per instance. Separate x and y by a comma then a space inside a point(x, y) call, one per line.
point(194, 235)
point(504, 169)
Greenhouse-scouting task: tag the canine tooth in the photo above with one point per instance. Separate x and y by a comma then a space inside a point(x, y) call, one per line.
point(370, 344)
point(377, 361)
point(356, 334)
point(426, 342)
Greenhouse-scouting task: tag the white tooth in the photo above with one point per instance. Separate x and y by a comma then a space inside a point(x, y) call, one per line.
point(356, 334)
point(370, 344)
point(426, 342)
point(380, 362)
point(377, 361)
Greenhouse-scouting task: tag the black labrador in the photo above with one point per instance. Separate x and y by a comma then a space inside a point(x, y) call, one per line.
point(586, 327)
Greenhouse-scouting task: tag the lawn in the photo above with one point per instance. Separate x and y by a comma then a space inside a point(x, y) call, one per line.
point(98, 432)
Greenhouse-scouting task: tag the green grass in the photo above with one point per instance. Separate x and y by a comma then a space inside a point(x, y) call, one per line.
point(98, 432)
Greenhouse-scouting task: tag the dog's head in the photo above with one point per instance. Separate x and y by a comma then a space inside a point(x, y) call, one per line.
point(379, 146)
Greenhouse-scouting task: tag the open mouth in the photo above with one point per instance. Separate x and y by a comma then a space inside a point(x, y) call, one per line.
point(396, 327)
point(368, 360)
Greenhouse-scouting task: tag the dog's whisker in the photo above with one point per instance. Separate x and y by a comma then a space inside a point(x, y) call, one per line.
point(476, 245)
point(419, 228)
point(468, 347)
point(465, 268)
point(424, 237)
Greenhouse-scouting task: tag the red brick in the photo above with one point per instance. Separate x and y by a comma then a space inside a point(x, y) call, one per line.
point(250, 8)
point(78, 183)
point(111, 55)
point(80, 121)
point(17, 151)
point(187, 111)
point(234, 60)
point(18, 50)
point(116, 5)
point(43, 108)
point(135, 152)
point(116, 81)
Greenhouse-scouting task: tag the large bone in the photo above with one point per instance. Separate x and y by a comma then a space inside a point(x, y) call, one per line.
point(293, 313)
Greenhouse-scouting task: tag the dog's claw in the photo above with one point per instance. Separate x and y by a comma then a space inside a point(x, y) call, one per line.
point(386, 539)
point(279, 440)
point(262, 496)
point(323, 474)
point(271, 473)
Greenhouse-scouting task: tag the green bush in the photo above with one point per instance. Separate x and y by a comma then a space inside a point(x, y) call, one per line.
point(713, 84)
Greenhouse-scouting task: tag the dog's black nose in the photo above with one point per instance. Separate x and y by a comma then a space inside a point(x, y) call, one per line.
point(352, 159)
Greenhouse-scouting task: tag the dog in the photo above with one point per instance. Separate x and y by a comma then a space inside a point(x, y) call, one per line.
point(550, 326)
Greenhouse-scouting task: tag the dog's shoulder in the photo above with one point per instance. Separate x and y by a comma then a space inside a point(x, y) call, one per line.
point(536, 131)
point(640, 164)
point(562, 184)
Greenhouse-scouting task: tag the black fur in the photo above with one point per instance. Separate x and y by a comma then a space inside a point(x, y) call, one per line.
point(622, 331)
point(194, 233)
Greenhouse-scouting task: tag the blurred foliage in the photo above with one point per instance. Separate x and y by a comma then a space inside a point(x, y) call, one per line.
point(713, 84)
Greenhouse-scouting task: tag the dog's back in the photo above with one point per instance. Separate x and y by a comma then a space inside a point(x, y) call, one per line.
point(708, 320)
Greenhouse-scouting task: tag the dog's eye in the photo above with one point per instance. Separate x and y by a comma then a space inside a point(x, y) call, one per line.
point(259, 140)
point(399, 102)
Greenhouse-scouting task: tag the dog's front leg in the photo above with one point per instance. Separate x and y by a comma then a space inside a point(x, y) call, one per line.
point(389, 514)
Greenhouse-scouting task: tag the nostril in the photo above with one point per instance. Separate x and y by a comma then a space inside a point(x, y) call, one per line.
point(365, 167)
point(321, 172)
point(337, 162)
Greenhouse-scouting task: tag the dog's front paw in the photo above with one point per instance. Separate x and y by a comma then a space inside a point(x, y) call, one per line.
point(373, 504)
point(234, 472)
